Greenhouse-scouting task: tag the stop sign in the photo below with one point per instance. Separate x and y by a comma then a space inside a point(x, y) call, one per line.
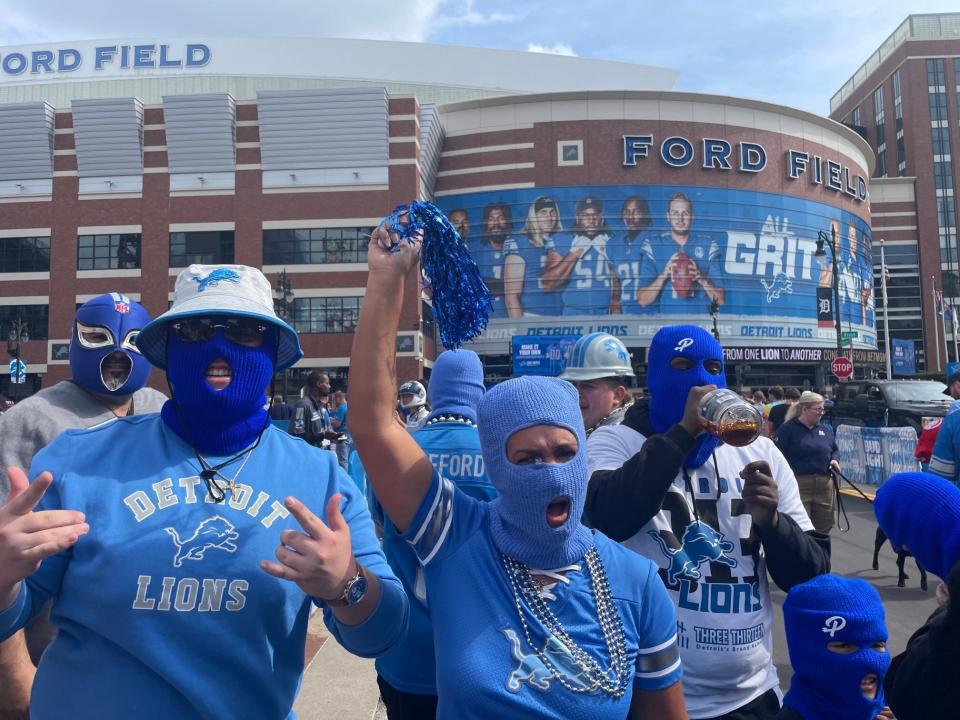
point(842, 368)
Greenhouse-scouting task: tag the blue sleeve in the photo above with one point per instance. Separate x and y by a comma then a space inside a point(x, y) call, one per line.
point(944, 458)
point(45, 582)
point(445, 520)
point(388, 621)
point(648, 263)
point(658, 657)
point(342, 413)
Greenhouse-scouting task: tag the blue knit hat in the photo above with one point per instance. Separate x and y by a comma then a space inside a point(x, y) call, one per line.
point(456, 384)
point(921, 512)
point(518, 522)
point(825, 684)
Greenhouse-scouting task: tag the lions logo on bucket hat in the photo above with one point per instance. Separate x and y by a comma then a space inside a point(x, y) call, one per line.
point(224, 290)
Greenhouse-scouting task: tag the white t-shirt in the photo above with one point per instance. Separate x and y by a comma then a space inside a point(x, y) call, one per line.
point(714, 572)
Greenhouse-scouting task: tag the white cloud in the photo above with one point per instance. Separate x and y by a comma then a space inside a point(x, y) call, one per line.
point(555, 49)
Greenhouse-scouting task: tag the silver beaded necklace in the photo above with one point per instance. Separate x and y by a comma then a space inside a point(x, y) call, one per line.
point(614, 680)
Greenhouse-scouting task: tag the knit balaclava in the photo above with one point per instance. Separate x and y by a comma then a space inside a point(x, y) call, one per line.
point(224, 421)
point(921, 512)
point(669, 388)
point(456, 384)
point(825, 684)
point(518, 517)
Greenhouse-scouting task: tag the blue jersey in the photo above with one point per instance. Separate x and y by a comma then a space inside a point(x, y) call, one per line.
point(490, 261)
point(624, 253)
point(855, 276)
point(588, 289)
point(485, 666)
point(342, 418)
point(700, 247)
point(533, 299)
point(454, 450)
point(162, 609)
point(945, 460)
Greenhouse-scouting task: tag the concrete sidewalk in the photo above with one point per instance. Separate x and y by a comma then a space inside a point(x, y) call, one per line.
point(336, 684)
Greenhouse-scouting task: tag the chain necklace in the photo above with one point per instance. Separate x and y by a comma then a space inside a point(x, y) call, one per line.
point(612, 681)
point(217, 493)
point(452, 418)
point(614, 418)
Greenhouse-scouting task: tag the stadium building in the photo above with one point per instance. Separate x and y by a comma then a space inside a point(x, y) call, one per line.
point(593, 196)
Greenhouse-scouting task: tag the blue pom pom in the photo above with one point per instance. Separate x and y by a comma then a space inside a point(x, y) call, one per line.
point(461, 299)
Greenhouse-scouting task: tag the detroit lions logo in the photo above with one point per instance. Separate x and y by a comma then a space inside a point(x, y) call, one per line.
point(216, 277)
point(214, 532)
point(533, 671)
point(701, 543)
point(779, 285)
point(612, 346)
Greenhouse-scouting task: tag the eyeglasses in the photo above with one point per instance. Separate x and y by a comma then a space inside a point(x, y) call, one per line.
point(818, 410)
point(241, 331)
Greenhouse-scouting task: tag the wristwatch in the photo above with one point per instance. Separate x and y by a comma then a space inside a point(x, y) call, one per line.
point(354, 592)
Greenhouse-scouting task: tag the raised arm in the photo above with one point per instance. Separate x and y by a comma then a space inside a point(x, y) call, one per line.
point(397, 468)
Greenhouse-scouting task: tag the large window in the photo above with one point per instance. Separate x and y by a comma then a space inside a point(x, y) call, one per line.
point(208, 247)
point(317, 246)
point(35, 317)
point(108, 252)
point(326, 314)
point(24, 254)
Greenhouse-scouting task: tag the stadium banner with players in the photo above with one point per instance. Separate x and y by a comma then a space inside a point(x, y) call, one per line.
point(870, 455)
point(627, 259)
point(541, 355)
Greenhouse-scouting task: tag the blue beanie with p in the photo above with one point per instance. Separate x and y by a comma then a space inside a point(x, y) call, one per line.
point(456, 384)
point(921, 512)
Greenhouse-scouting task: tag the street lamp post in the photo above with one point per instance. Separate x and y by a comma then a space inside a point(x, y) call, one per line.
point(831, 241)
point(283, 304)
point(714, 313)
point(19, 332)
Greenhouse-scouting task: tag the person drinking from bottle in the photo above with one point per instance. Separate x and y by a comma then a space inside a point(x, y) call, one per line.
point(714, 517)
point(534, 615)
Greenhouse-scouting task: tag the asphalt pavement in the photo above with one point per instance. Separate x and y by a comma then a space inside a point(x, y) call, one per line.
point(339, 685)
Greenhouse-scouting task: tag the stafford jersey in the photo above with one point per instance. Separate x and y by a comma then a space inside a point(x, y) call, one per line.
point(454, 451)
point(588, 289)
point(490, 262)
point(625, 257)
point(713, 568)
point(163, 604)
point(855, 278)
point(486, 667)
point(702, 249)
point(533, 299)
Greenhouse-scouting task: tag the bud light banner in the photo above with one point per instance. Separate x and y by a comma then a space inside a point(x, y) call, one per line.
point(871, 455)
point(904, 357)
point(542, 356)
point(627, 259)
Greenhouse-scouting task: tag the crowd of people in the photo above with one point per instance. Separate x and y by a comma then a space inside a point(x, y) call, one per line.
point(545, 548)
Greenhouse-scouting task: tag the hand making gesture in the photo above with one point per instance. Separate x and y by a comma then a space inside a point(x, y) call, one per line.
point(29, 536)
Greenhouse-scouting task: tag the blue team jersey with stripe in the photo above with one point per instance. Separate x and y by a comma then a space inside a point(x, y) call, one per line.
point(624, 253)
point(485, 666)
point(490, 262)
point(454, 450)
point(855, 275)
point(533, 299)
point(702, 248)
point(588, 288)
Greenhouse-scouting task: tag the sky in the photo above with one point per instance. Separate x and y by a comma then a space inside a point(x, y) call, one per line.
point(789, 52)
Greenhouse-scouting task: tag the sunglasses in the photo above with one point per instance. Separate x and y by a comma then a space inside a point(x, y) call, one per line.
point(241, 331)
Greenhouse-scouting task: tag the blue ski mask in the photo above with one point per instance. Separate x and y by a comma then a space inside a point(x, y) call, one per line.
point(104, 358)
point(218, 422)
point(518, 516)
point(826, 685)
point(456, 384)
point(669, 388)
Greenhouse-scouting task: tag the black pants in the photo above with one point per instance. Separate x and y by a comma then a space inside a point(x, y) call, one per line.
point(761, 708)
point(406, 706)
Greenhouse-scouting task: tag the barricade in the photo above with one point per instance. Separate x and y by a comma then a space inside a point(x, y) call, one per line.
point(870, 455)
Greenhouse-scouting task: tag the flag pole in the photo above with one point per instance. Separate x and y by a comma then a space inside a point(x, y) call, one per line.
point(933, 295)
point(886, 311)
